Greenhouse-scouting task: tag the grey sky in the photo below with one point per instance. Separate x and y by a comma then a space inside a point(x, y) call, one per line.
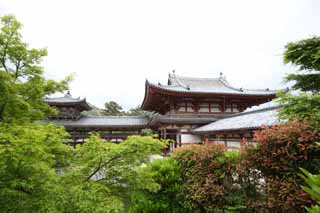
point(113, 46)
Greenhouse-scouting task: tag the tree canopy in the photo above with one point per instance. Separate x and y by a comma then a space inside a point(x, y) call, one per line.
point(112, 108)
point(305, 54)
point(22, 84)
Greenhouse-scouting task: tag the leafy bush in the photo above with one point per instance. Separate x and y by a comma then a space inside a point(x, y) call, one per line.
point(163, 193)
point(282, 150)
point(209, 177)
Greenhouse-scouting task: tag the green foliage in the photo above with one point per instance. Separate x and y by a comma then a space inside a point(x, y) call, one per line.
point(112, 108)
point(31, 155)
point(95, 111)
point(22, 85)
point(137, 111)
point(111, 169)
point(281, 151)
point(163, 193)
point(313, 188)
point(300, 107)
point(306, 55)
point(44, 175)
point(38, 172)
point(208, 174)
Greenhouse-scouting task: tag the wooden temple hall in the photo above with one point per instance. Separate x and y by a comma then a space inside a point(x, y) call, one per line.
point(181, 108)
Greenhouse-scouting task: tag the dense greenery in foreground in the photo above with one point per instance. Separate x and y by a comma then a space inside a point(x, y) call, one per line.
point(40, 173)
point(206, 178)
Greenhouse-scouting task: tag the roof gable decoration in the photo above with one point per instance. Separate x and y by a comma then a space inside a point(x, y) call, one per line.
point(67, 99)
point(219, 85)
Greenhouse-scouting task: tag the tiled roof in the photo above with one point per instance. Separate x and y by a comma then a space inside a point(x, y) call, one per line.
point(207, 85)
point(246, 120)
point(106, 121)
point(67, 99)
point(184, 119)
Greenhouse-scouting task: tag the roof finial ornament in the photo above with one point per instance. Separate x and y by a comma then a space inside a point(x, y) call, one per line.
point(68, 94)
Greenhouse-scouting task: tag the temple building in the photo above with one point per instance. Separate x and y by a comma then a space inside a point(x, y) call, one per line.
point(179, 109)
point(186, 103)
point(110, 128)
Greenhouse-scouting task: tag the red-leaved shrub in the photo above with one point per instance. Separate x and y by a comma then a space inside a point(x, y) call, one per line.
point(273, 167)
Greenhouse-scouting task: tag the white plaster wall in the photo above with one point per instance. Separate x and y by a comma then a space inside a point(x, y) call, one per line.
point(186, 138)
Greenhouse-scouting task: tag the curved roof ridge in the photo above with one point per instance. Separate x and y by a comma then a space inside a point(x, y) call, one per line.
point(179, 82)
point(196, 78)
point(244, 92)
point(224, 81)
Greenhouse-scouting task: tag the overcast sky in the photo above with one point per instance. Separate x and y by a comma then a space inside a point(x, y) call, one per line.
point(113, 46)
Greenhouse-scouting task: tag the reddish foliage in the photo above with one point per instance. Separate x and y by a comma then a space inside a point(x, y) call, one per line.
point(207, 175)
point(282, 150)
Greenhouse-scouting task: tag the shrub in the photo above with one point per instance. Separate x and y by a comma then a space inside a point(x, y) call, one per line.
point(208, 174)
point(162, 194)
point(281, 151)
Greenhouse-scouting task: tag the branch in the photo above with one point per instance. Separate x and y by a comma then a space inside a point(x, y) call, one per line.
point(101, 166)
point(17, 69)
point(3, 62)
point(2, 108)
point(95, 171)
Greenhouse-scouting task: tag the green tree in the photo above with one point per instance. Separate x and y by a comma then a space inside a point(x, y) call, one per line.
point(136, 111)
point(31, 156)
point(22, 84)
point(163, 193)
point(305, 54)
point(38, 172)
point(109, 169)
point(112, 108)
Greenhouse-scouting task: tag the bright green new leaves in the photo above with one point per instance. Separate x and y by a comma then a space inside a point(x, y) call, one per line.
point(40, 173)
point(103, 174)
point(30, 156)
point(22, 84)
